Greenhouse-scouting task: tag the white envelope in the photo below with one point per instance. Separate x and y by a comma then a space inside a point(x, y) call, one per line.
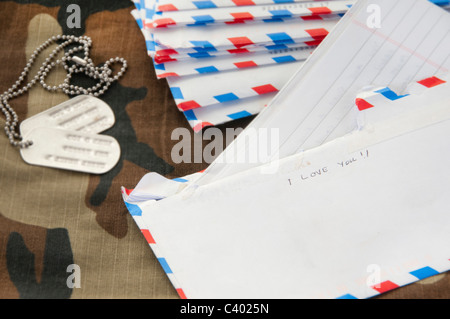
point(247, 14)
point(207, 89)
point(353, 218)
point(237, 36)
point(232, 62)
point(179, 5)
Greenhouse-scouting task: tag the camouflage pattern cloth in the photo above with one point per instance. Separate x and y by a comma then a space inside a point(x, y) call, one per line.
point(51, 219)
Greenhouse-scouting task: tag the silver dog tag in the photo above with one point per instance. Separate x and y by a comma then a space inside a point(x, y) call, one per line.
point(83, 113)
point(71, 150)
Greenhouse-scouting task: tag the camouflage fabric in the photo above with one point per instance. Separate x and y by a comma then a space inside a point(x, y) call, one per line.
point(50, 219)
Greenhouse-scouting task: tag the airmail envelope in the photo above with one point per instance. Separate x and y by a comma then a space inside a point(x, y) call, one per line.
point(353, 218)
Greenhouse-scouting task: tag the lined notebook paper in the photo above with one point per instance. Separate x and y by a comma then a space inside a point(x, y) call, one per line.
point(315, 105)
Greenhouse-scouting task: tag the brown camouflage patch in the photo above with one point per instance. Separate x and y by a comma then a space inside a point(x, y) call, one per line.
point(42, 206)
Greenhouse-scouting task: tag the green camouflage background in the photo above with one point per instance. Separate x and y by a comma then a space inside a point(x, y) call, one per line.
point(50, 219)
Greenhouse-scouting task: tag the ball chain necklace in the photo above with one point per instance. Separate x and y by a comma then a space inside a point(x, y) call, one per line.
point(73, 64)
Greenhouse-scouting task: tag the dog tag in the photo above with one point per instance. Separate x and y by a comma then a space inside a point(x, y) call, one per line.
point(83, 113)
point(71, 150)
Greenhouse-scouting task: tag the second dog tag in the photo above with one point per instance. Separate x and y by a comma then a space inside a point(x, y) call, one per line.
point(83, 113)
point(71, 150)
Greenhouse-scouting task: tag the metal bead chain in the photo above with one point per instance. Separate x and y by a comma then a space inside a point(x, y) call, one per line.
point(103, 75)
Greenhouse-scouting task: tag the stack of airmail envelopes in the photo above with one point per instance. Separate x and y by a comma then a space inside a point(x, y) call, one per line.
point(226, 59)
point(353, 201)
